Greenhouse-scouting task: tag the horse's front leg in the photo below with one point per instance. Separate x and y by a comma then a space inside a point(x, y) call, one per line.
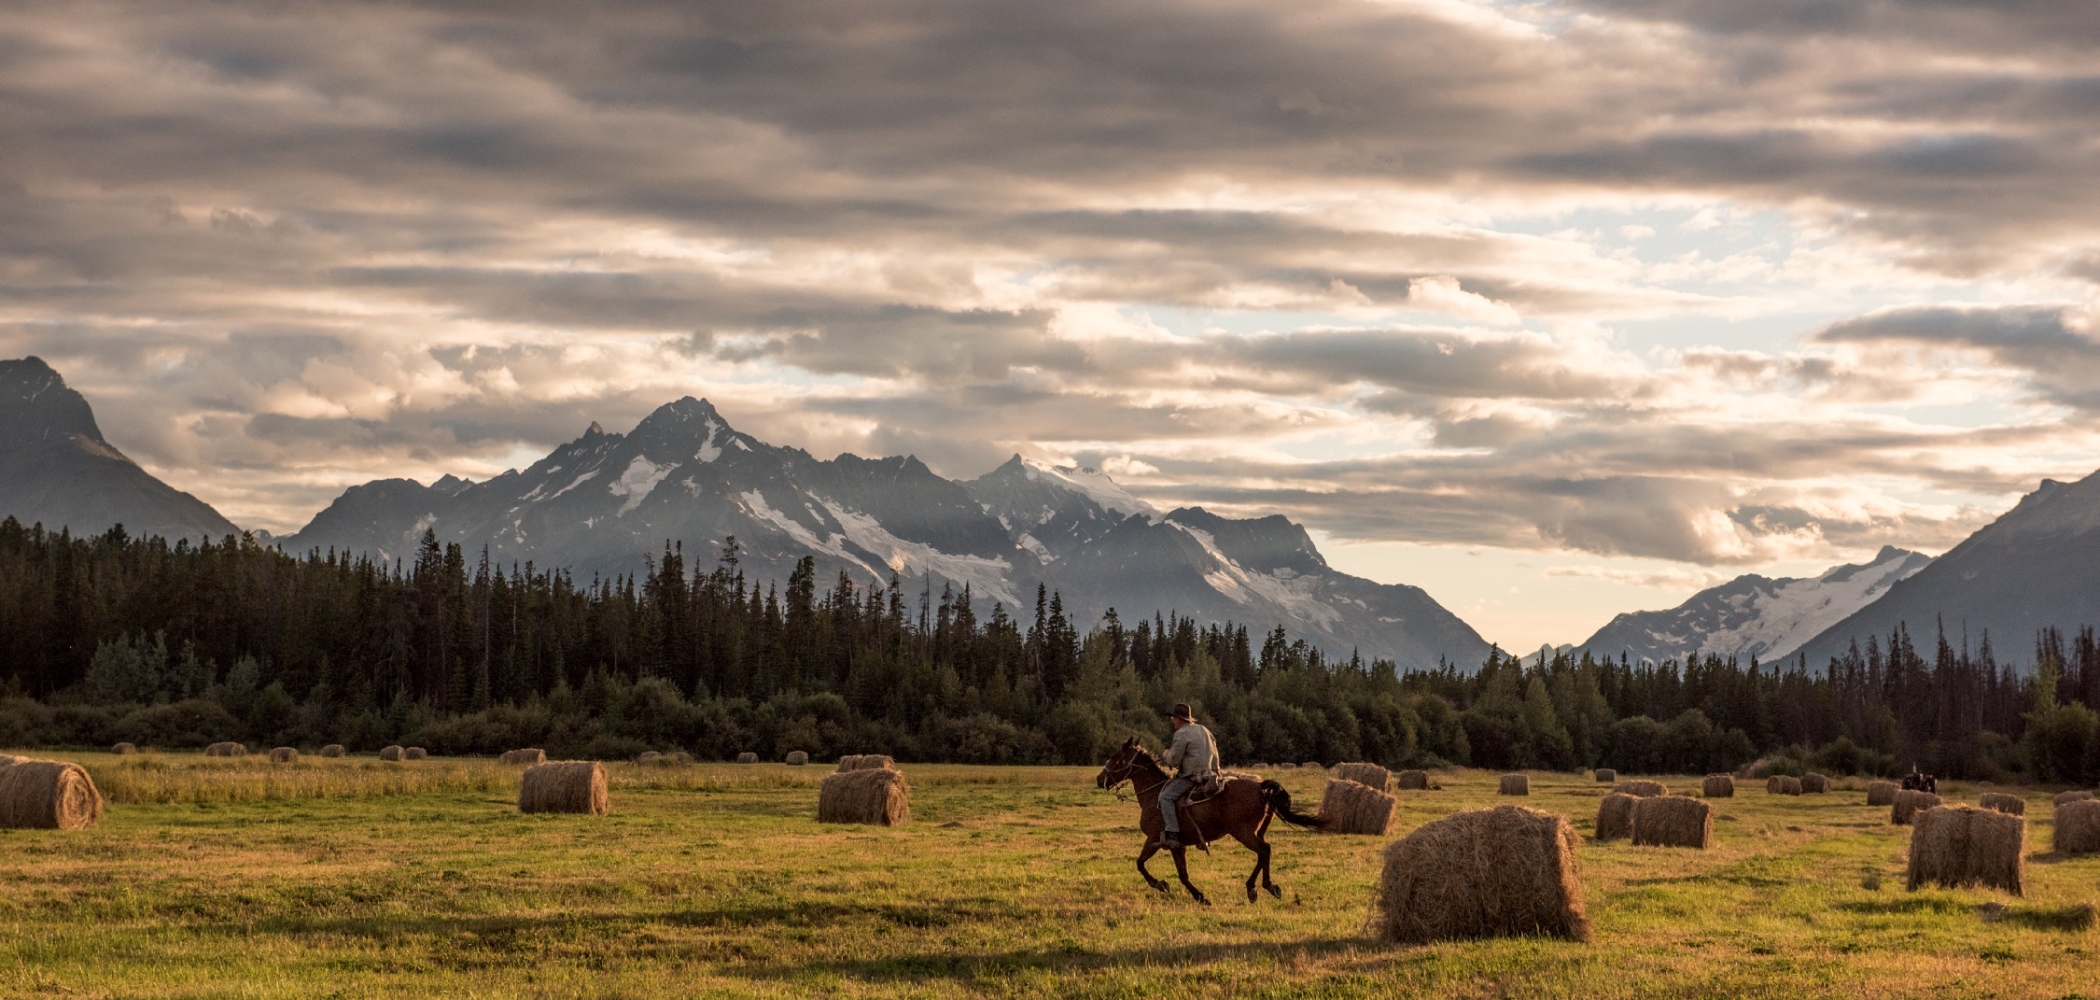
point(1151, 848)
point(1181, 867)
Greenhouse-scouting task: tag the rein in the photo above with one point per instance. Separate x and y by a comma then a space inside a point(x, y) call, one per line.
point(1129, 767)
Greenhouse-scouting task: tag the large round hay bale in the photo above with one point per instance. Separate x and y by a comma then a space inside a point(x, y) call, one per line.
point(1961, 846)
point(1312, 765)
point(2074, 795)
point(226, 750)
point(649, 757)
point(1354, 807)
point(333, 750)
point(1615, 816)
point(1814, 784)
point(1718, 786)
point(1513, 784)
point(530, 755)
point(798, 757)
point(1640, 789)
point(1882, 793)
point(284, 755)
point(123, 749)
point(1368, 775)
point(1908, 804)
point(2011, 805)
point(747, 757)
point(390, 753)
point(677, 758)
point(2077, 827)
point(414, 753)
point(1673, 821)
point(1412, 780)
point(1606, 776)
point(47, 795)
point(1497, 872)
point(564, 786)
point(1789, 785)
point(873, 795)
point(867, 761)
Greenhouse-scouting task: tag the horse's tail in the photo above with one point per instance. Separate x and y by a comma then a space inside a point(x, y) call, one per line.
point(1279, 801)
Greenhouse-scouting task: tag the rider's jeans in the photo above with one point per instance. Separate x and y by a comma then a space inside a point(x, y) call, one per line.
point(1169, 798)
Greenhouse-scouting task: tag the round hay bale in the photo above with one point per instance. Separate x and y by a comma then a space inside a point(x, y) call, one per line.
point(123, 749)
point(390, 753)
point(1615, 816)
point(530, 755)
point(2074, 795)
point(1673, 821)
point(47, 795)
point(2077, 827)
point(226, 750)
point(866, 761)
point(678, 758)
point(1505, 871)
point(1513, 784)
point(1415, 780)
point(798, 757)
point(1640, 789)
point(564, 786)
point(1789, 785)
point(1718, 786)
point(1814, 784)
point(1354, 807)
point(284, 755)
point(1606, 776)
point(1286, 767)
point(1962, 846)
point(1368, 775)
point(333, 750)
point(2011, 805)
point(872, 795)
point(1882, 793)
point(649, 757)
point(1312, 765)
point(414, 753)
point(747, 757)
point(1908, 804)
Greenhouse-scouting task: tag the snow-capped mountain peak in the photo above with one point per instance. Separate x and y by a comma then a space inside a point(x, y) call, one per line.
point(1093, 484)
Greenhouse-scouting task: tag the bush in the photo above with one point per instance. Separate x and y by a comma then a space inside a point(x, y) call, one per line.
point(192, 723)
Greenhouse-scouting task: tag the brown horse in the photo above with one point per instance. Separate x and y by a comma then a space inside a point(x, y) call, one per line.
point(1242, 812)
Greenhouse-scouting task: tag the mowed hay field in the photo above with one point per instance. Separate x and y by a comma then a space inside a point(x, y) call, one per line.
point(349, 878)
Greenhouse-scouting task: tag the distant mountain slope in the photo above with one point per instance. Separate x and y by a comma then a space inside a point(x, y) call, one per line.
point(606, 502)
point(56, 469)
point(2036, 566)
point(1754, 615)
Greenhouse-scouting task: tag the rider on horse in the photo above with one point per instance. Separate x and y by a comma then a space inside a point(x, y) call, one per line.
point(1194, 757)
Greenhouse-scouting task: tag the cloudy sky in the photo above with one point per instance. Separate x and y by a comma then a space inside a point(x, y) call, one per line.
point(1555, 309)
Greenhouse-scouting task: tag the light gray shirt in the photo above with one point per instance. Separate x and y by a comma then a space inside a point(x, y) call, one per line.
point(1193, 753)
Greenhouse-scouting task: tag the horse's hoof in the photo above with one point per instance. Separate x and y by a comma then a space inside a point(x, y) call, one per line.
point(1251, 897)
point(1274, 891)
point(1205, 900)
point(1159, 887)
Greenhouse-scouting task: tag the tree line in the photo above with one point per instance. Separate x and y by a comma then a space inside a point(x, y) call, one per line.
point(109, 637)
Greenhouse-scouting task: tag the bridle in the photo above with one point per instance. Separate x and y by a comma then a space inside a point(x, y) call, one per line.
point(1123, 768)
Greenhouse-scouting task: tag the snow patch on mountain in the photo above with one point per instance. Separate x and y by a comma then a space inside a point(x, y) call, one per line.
point(709, 450)
point(1295, 594)
point(578, 481)
point(1095, 485)
point(637, 482)
point(985, 575)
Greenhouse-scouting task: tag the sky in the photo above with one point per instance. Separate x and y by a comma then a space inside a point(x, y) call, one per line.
point(1556, 310)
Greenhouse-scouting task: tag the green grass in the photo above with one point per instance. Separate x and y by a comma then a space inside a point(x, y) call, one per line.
point(216, 878)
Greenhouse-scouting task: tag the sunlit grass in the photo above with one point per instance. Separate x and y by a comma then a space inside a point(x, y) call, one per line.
point(356, 878)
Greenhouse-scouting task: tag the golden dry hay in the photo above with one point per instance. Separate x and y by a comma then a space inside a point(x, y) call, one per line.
point(226, 750)
point(122, 749)
point(1312, 765)
point(2074, 795)
point(1718, 786)
point(1789, 785)
point(866, 761)
point(1286, 767)
point(1908, 804)
point(1498, 872)
point(1513, 784)
point(1640, 789)
point(47, 795)
point(1354, 807)
point(872, 795)
point(531, 755)
point(649, 757)
point(1368, 775)
point(2077, 827)
point(1814, 784)
point(284, 755)
point(1615, 816)
point(798, 757)
point(333, 750)
point(1962, 846)
point(1882, 793)
point(678, 757)
point(747, 757)
point(414, 753)
point(1606, 776)
point(390, 753)
point(564, 786)
point(1672, 821)
point(1414, 780)
point(2011, 805)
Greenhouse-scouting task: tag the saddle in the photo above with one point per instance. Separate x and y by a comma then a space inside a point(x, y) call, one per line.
point(1209, 788)
point(1203, 791)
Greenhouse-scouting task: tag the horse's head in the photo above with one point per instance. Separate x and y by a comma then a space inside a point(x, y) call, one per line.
point(1120, 764)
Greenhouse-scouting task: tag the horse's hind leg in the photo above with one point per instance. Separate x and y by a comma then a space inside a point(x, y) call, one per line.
point(1261, 859)
point(1262, 848)
point(1157, 884)
point(1181, 867)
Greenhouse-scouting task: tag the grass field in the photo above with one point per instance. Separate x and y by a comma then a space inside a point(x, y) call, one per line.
point(349, 878)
